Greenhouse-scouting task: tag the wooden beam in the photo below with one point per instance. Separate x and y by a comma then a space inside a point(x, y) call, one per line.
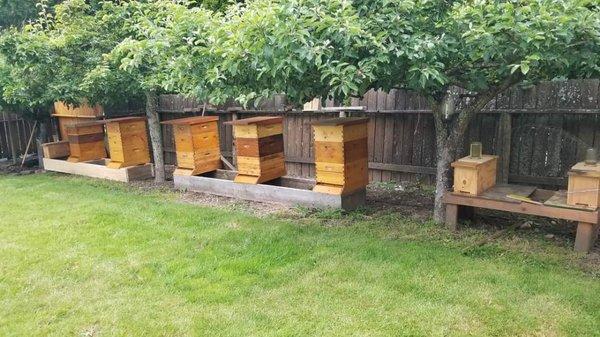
point(523, 208)
point(586, 236)
point(402, 168)
point(503, 147)
point(98, 169)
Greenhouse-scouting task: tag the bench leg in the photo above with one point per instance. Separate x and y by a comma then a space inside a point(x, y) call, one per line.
point(451, 216)
point(586, 236)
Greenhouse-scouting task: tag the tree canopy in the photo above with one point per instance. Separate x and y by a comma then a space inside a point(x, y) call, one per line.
point(108, 50)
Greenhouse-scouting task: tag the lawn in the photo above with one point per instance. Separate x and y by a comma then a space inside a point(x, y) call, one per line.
point(92, 258)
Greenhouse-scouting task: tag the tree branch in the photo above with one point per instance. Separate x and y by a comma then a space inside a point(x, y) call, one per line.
point(478, 103)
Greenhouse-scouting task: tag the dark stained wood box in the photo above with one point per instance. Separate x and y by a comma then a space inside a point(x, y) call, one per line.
point(341, 155)
point(259, 149)
point(127, 142)
point(86, 141)
point(197, 144)
point(68, 115)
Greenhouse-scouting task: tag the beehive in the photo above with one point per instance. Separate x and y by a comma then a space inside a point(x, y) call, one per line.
point(584, 185)
point(341, 155)
point(259, 149)
point(86, 141)
point(475, 175)
point(68, 115)
point(196, 144)
point(127, 142)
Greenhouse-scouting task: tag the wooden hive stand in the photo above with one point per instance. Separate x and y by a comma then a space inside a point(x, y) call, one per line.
point(475, 175)
point(584, 185)
point(341, 155)
point(259, 149)
point(196, 144)
point(127, 142)
point(68, 115)
point(86, 141)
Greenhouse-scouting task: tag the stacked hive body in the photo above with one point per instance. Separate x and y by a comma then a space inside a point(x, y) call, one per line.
point(341, 155)
point(86, 141)
point(127, 141)
point(584, 185)
point(259, 149)
point(196, 144)
point(68, 115)
point(475, 175)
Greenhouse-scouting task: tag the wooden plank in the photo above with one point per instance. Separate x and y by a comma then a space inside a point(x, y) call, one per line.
point(503, 147)
point(402, 168)
point(397, 145)
point(586, 236)
point(523, 208)
point(269, 193)
point(378, 146)
point(99, 170)
point(307, 139)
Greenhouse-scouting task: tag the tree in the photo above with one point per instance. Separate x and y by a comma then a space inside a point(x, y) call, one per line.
point(483, 47)
point(271, 47)
point(155, 32)
point(341, 48)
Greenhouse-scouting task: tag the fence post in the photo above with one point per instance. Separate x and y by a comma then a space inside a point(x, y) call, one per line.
point(503, 146)
point(234, 117)
point(11, 137)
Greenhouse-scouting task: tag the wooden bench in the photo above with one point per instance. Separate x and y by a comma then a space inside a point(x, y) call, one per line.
point(550, 204)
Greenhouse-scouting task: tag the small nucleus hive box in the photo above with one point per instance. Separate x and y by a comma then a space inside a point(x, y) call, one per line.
point(259, 149)
point(475, 175)
point(341, 155)
point(196, 144)
point(86, 142)
point(127, 142)
point(584, 185)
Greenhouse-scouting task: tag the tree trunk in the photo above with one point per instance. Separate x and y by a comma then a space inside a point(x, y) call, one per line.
point(450, 130)
point(155, 135)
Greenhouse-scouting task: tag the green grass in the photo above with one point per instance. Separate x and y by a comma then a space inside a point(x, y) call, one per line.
point(84, 257)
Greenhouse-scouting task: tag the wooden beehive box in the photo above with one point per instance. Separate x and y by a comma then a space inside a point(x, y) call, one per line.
point(475, 175)
point(196, 144)
point(68, 115)
point(341, 155)
point(584, 185)
point(86, 141)
point(127, 142)
point(56, 149)
point(259, 149)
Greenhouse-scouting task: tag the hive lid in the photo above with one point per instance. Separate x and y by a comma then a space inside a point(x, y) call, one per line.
point(341, 121)
point(123, 119)
point(581, 169)
point(75, 116)
point(261, 120)
point(191, 120)
point(473, 162)
point(84, 124)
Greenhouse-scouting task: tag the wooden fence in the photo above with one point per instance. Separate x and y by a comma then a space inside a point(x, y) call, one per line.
point(539, 132)
point(14, 135)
